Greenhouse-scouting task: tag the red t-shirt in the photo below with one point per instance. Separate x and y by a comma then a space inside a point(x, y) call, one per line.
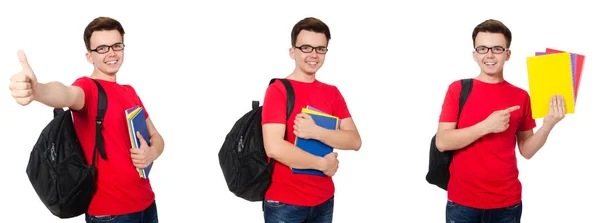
point(485, 174)
point(120, 190)
point(287, 187)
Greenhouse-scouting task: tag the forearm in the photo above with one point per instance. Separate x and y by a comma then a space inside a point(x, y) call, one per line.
point(157, 144)
point(454, 139)
point(535, 142)
point(340, 139)
point(294, 157)
point(55, 94)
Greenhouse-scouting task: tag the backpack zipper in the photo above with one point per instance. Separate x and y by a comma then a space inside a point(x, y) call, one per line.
point(240, 144)
point(52, 153)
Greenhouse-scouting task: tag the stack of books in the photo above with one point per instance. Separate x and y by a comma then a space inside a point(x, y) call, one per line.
point(313, 146)
point(553, 72)
point(136, 122)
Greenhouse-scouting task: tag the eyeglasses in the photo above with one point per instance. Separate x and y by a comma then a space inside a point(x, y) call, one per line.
point(495, 49)
point(309, 49)
point(104, 48)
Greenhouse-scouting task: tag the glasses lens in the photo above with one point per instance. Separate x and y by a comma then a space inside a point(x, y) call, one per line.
point(102, 49)
point(498, 49)
point(118, 46)
point(306, 49)
point(481, 49)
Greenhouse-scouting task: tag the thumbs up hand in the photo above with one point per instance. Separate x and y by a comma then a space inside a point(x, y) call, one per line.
point(23, 84)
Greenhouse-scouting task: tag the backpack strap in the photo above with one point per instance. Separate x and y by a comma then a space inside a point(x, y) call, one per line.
point(291, 97)
point(467, 85)
point(465, 90)
point(102, 106)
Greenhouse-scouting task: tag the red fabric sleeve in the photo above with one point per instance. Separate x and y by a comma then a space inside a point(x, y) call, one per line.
point(139, 101)
point(274, 105)
point(87, 85)
point(450, 106)
point(527, 122)
point(341, 109)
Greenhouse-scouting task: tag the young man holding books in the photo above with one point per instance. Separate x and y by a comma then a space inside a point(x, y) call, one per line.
point(303, 197)
point(484, 184)
point(121, 195)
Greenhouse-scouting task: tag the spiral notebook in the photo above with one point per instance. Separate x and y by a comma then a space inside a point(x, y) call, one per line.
point(579, 61)
point(548, 75)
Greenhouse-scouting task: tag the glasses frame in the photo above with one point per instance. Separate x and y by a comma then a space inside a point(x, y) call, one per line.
point(312, 48)
point(487, 49)
point(109, 48)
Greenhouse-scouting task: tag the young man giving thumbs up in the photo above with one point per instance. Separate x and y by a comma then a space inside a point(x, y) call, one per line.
point(484, 184)
point(121, 195)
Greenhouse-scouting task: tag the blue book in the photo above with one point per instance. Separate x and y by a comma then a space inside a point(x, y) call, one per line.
point(138, 124)
point(317, 110)
point(313, 146)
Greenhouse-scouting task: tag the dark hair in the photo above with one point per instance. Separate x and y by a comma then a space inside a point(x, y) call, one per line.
point(493, 26)
point(310, 24)
point(101, 24)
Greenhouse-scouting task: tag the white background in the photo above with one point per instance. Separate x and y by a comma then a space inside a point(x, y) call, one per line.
point(392, 63)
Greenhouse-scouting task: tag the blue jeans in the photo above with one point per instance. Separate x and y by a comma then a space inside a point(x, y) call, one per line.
point(278, 212)
point(456, 213)
point(149, 215)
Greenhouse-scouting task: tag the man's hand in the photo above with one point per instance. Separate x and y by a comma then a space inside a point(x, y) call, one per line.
point(23, 84)
point(498, 120)
point(557, 110)
point(305, 127)
point(143, 156)
point(331, 164)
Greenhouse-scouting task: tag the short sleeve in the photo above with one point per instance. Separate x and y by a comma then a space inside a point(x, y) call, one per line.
point(139, 100)
point(274, 104)
point(527, 123)
point(87, 86)
point(341, 108)
point(450, 106)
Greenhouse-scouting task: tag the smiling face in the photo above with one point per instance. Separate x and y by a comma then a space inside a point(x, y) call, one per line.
point(107, 63)
point(103, 38)
point(491, 51)
point(309, 51)
point(491, 43)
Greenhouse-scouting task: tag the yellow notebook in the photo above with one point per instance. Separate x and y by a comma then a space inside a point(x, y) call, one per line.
point(129, 114)
point(308, 111)
point(550, 74)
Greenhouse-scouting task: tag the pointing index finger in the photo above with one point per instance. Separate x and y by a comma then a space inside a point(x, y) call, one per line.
point(513, 108)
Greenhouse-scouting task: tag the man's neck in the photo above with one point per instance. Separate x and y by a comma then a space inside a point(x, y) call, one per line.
point(298, 75)
point(491, 78)
point(102, 76)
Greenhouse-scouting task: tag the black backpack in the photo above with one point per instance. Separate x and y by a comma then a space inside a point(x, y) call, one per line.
point(439, 162)
point(243, 158)
point(57, 168)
